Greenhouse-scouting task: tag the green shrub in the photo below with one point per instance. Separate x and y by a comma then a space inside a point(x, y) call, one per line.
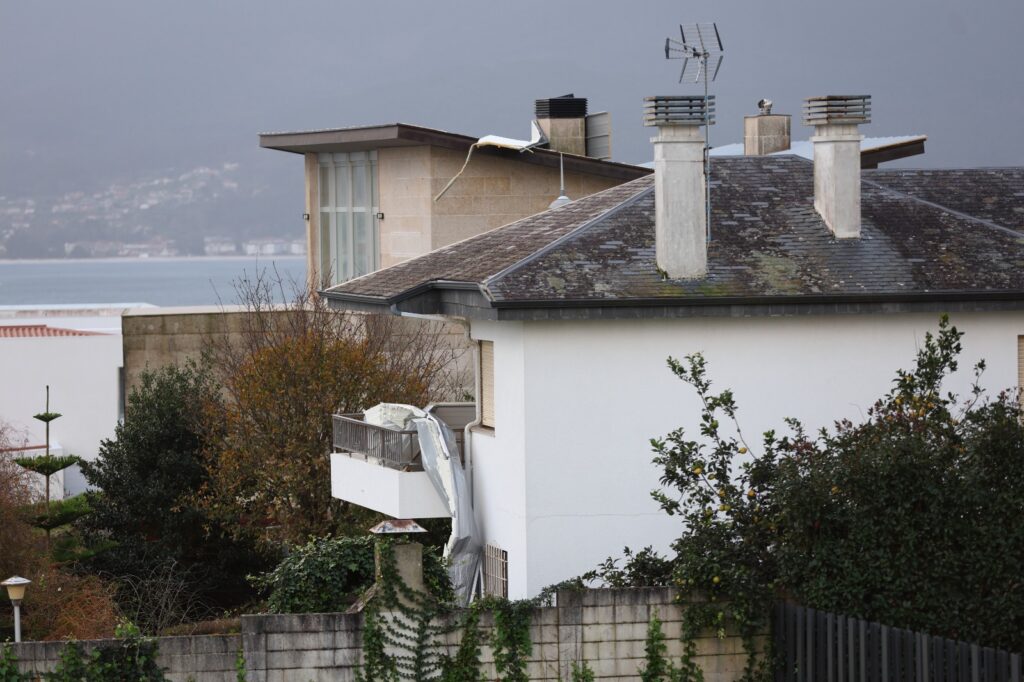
point(910, 517)
point(322, 576)
point(328, 574)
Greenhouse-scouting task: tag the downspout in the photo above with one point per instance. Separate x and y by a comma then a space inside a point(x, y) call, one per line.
point(467, 432)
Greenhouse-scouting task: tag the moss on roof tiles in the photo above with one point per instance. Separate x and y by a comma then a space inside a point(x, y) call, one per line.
point(767, 241)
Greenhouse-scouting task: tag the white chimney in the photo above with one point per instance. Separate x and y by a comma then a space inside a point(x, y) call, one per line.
point(679, 184)
point(837, 159)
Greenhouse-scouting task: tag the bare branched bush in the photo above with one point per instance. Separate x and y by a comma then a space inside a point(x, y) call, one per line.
point(164, 596)
point(285, 369)
point(60, 605)
point(19, 546)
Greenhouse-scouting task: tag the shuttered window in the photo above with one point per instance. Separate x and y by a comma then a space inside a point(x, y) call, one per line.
point(487, 383)
point(495, 572)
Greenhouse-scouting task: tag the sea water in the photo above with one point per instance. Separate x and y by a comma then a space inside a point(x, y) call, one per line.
point(158, 281)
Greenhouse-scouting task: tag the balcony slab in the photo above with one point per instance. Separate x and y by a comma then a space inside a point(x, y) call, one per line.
point(401, 494)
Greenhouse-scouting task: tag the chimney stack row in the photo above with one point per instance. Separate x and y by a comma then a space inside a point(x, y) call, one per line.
point(680, 185)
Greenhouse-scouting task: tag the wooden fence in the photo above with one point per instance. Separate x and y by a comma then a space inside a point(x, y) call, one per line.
point(816, 646)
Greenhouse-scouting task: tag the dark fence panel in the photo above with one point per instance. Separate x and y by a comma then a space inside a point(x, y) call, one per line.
point(817, 646)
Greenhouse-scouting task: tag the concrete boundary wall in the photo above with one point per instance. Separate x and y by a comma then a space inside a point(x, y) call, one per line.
point(605, 628)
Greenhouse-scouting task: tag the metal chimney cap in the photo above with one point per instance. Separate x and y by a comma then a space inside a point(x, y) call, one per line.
point(397, 527)
point(765, 105)
point(831, 109)
point(679, 110)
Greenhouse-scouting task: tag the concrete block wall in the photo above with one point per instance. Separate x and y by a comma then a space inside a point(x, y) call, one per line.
point(203, 658)
point(310, 647)
point(605, 628)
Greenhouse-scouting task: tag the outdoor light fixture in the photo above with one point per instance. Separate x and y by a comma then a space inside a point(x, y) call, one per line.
point(16, 591)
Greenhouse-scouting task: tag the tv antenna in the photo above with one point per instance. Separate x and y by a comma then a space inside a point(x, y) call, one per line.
point(700, 48)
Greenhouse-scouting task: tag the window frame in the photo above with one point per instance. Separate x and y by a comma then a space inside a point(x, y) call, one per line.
point(338, 215)
point(487, 392)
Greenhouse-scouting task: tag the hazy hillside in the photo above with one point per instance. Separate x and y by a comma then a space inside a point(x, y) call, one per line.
point(171, 210)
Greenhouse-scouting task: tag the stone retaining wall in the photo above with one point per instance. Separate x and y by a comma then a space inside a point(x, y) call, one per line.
point(605, 628)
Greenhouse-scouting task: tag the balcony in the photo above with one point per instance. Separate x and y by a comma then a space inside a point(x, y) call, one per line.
point(380, 468)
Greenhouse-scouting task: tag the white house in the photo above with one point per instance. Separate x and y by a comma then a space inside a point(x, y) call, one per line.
point(82, 369)
point(818, 282)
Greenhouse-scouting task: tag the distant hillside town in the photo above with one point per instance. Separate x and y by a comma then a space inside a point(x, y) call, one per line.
point(160, 216)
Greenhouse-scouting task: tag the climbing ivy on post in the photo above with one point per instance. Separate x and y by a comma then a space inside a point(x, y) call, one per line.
point(400, 637)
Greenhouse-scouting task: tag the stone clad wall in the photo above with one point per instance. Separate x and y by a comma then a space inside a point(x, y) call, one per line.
point(158, 337)
point(605, 628)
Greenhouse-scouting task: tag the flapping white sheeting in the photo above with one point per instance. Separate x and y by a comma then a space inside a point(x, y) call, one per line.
point(441, 461)
point(537, 137)
point(440, 457)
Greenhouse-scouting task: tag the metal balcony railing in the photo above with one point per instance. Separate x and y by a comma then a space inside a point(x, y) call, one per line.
point(398, 449)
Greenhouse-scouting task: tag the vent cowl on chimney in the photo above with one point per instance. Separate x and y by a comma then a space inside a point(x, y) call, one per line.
point(766, 133)
point(837, 158)
point(564, 121)
point(679, 183)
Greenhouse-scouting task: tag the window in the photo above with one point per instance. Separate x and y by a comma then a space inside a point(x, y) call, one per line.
point(495, 572)
point(487, 383)
point(348, 215)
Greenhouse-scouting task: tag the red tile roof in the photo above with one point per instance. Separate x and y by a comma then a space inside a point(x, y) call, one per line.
point(25, 331)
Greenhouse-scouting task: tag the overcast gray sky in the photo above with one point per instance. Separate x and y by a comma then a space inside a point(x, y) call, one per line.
point(101, 90)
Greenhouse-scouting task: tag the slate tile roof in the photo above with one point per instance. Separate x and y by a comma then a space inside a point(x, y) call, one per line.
point(767, 242)
point(995, 194)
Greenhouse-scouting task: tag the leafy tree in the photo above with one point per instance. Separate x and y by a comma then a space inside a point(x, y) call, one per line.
point(284, 373)
point(909, 518)
point(151, 466)
point(147, 477)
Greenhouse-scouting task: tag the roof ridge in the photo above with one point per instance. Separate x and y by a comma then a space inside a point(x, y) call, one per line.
point(942, 169)
point(582, 227)
point(960, 214)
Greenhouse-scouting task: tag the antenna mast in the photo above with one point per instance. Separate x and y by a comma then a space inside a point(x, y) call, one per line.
point(700, 47)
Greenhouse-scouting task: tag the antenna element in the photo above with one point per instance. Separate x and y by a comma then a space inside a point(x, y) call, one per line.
point(700, 48)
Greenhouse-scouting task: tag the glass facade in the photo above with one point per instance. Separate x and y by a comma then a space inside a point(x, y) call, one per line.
point(349, 235)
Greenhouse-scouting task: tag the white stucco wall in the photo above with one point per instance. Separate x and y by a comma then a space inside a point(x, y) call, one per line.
point(83, 375)
point(565, 480)
point(499, 473)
